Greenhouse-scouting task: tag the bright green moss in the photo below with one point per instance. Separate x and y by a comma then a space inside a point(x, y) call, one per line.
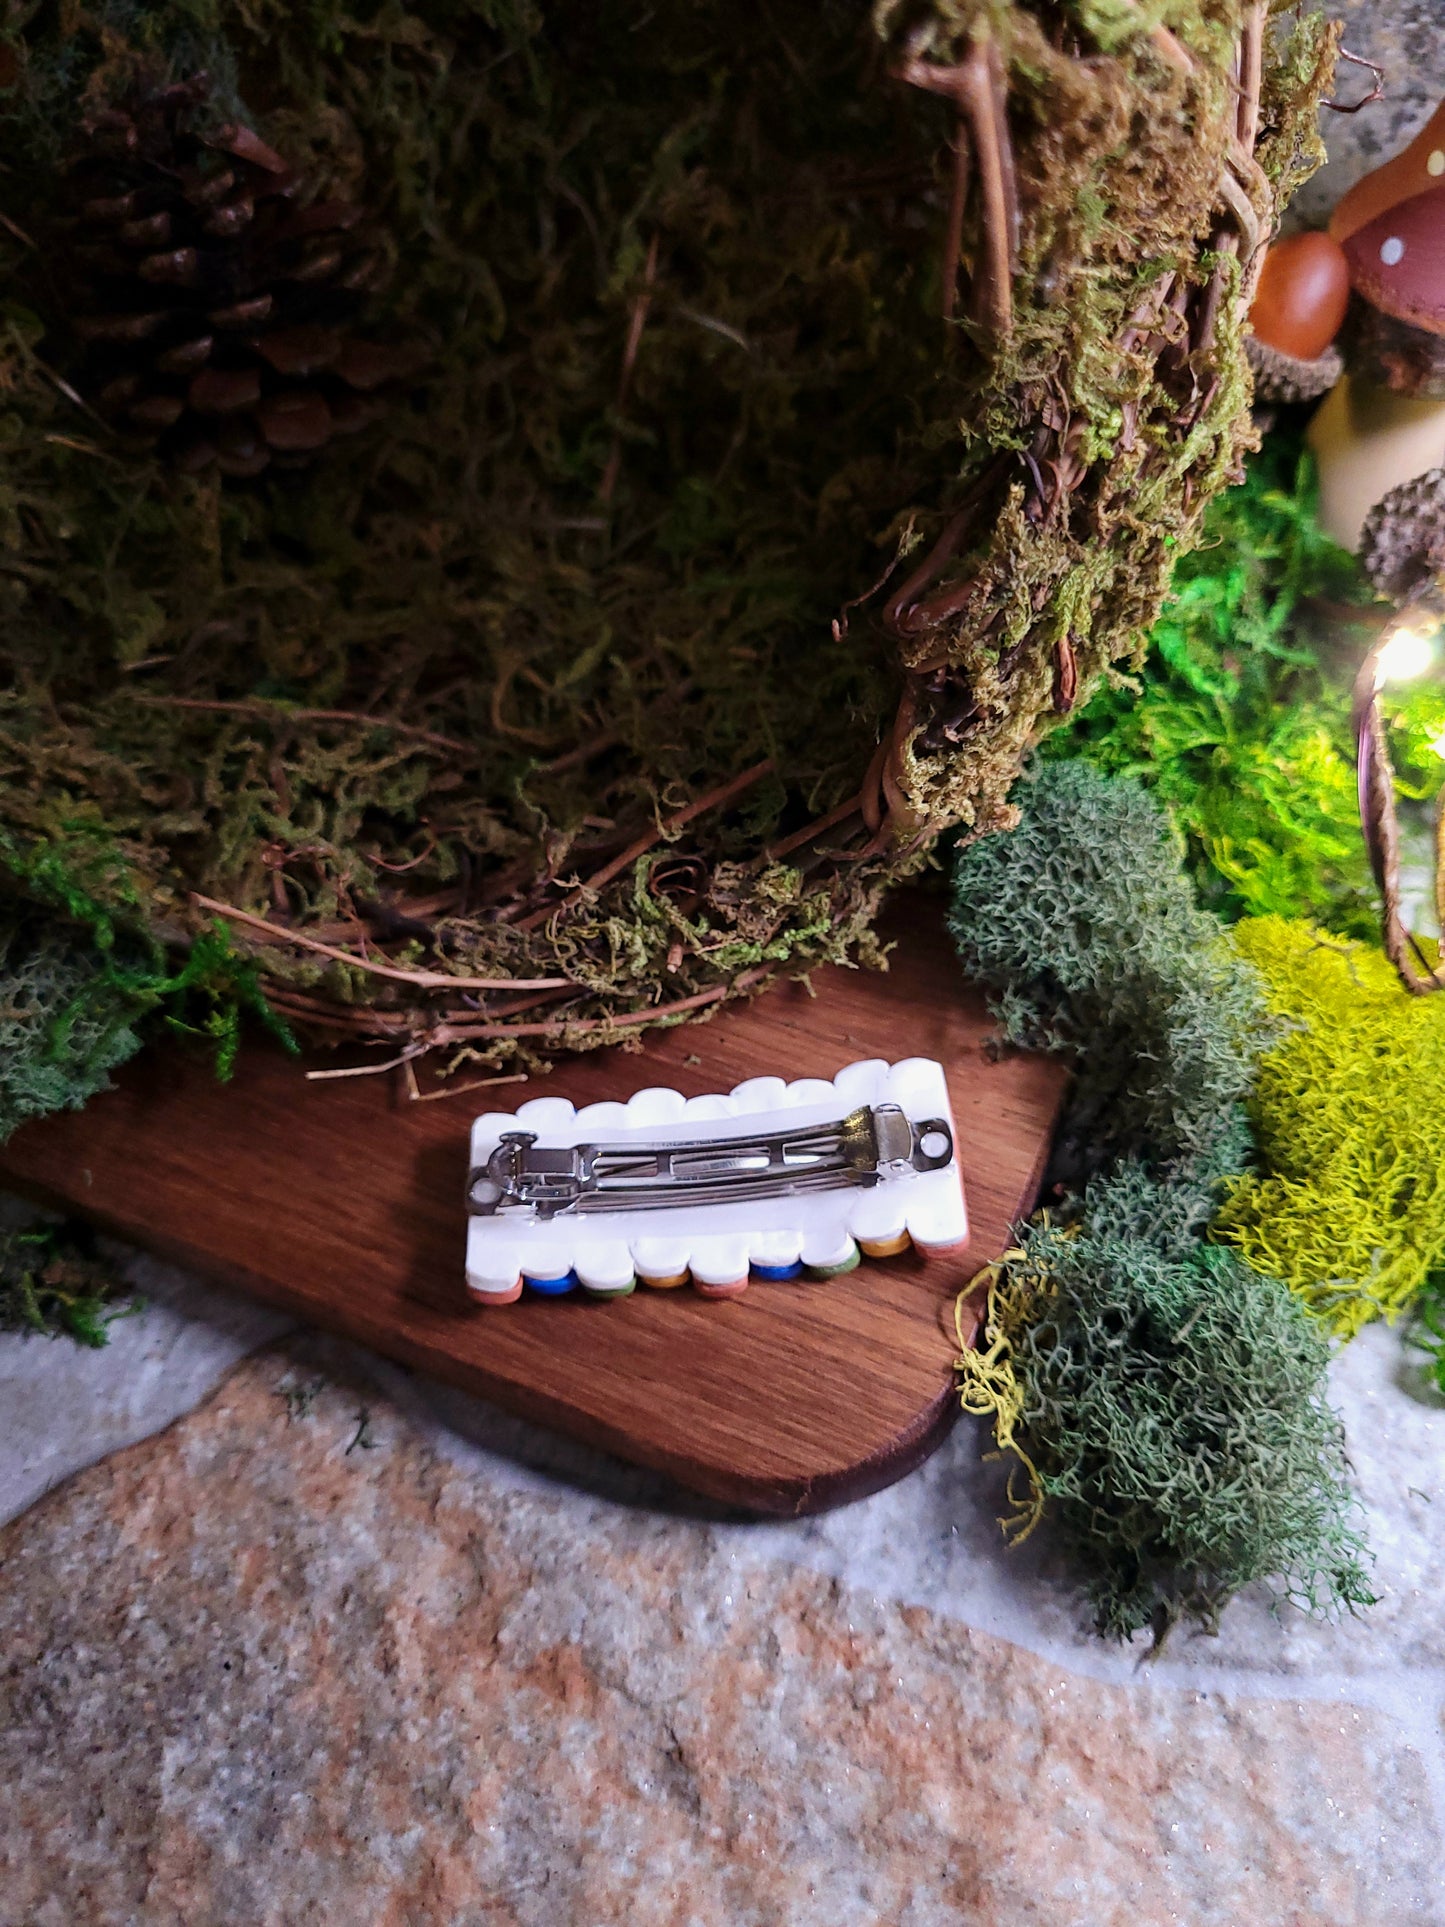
point(53, 1281)
point(1349, 1208)
point(1241, 719)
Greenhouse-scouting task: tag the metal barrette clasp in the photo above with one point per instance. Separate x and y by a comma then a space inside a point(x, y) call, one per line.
point(869, 1146)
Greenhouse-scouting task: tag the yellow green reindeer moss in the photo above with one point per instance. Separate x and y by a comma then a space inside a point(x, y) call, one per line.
point(1349, 1204)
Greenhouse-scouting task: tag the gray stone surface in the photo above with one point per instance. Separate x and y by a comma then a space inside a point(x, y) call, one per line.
point(1407, 39)
point(312, 1656)
point(63, 1406)
point(274, 1655)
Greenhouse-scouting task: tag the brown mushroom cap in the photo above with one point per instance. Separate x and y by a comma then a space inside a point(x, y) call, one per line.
point(1414, 170)
point(1397, 261)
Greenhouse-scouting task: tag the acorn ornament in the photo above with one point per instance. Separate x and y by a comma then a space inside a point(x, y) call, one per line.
point(1299, 306)
point(213, 299)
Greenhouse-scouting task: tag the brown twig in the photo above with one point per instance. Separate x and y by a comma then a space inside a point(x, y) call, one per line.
point(818, 827)
point(599, 745)
point(839, 627)
point(899, 816)
point(462, 1033)
point(14, 228)
point(1240, 206)
point(1251, 75)
point(419, 979)
point(1170, 49)
point(280, 713)
point(976, 87)
point(1380, 823)
point(416, 1095)
point(715, 799)
point(1066, 676)
point(906, 614)
point(1002, 201)
point(1249, 228)
point(953, 232)
point(366, 1070)
point(354, 1019)
point(638, 322)
point(1377, 92)
point(584, 752)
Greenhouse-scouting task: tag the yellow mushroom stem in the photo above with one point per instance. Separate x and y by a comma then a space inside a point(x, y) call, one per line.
point(1366, 441)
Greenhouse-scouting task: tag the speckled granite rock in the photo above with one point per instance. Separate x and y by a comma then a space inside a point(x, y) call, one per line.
point(276, 1666)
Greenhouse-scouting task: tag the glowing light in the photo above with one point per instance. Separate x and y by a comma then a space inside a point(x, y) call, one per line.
point(1409, 653)
point(1438, 745)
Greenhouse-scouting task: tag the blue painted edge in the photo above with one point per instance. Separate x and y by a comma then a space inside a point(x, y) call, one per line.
point(551, 1287)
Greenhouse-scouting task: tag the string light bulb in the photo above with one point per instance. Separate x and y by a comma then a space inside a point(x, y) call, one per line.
point(1406, 656)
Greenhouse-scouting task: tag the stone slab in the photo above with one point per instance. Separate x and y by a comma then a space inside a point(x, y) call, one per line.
point(281, 1665)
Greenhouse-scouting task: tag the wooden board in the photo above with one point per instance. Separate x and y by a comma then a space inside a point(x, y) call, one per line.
point(342, 1202)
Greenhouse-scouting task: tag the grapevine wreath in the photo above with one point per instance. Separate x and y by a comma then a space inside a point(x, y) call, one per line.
point(519, 522)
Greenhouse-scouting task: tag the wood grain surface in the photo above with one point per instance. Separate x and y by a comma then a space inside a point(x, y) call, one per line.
point(341, 1202)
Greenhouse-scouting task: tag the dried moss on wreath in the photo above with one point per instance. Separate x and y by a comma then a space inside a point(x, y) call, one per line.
point(812, 410)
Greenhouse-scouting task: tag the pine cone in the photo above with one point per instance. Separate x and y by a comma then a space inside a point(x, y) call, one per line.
point(1402, 544)
point(214, 301)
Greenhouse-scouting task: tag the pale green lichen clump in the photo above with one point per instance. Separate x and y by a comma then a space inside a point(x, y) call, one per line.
point(1165, 1400)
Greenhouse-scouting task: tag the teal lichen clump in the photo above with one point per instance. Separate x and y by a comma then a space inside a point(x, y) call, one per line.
point(1084, 925)
point(561, 672)
point(62, 1028)
point(1171, 1413)
point(1166, 1401)
point(78, 990)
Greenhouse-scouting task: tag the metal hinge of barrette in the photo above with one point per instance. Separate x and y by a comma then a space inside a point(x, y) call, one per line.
point(868, 1147)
